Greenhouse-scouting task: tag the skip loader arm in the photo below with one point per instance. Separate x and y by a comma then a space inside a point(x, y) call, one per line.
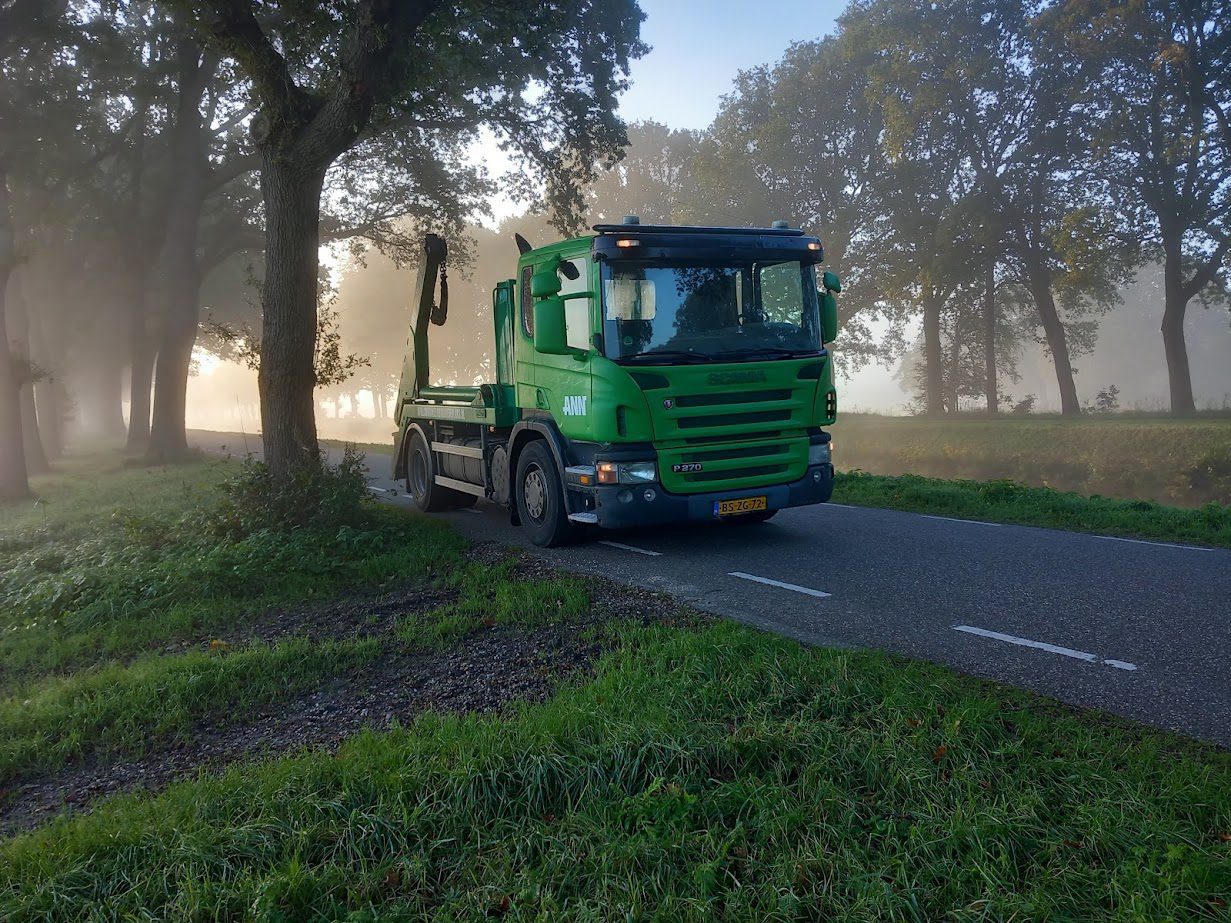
point(415, 367)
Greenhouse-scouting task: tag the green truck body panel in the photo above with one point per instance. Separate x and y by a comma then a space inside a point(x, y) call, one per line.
point(713, 427)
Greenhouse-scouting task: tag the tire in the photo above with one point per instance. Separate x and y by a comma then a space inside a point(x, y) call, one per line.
point(428, 496)
point(751, 518)
point(540, 498)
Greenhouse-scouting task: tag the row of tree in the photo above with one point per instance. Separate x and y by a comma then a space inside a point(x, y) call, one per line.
point(993, 172)
point(983, 166)
point(975, 163)
point(150, 150)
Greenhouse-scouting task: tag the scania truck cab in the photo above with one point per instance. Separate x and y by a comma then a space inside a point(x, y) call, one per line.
point(644, 375)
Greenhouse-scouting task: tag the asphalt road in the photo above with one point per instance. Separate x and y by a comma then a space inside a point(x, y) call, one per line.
point(1140, 629)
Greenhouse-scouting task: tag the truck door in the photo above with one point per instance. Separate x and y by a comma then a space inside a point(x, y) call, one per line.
point(562, 384)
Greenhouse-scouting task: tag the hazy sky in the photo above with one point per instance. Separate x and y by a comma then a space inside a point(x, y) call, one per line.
point(698, 46)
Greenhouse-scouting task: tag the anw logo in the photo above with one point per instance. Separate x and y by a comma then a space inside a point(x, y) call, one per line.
point(575, 405)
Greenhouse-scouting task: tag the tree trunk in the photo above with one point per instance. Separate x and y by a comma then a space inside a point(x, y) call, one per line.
point(990, 385)
point(168, 438)
point(14, 483)
point(933, 356)
point(47, 391)
point(1057, 341)
point(180, 274)
point(19, 350)
point(287, 377)
point(141, 356)
point(49, 403)
point(1175, 306)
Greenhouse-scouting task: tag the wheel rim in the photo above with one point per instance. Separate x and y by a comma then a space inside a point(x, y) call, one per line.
point(418, 475)
point(534, 489)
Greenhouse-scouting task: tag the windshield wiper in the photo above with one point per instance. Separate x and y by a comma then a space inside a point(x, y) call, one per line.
point(747, 352)
point(667, 355)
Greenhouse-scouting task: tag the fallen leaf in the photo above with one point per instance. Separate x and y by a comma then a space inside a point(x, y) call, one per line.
point(393, 879)
point(939, 753)
point(913, 722)
point(1074, 844)
point(218, 645)
point(1225, 837)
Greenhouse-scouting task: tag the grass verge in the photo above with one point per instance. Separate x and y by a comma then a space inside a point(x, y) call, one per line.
point(1007, 501)
point(705, 770)
point(712, 773)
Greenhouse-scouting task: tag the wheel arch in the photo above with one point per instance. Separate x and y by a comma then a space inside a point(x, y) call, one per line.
point(403, 447)
point(524, 433)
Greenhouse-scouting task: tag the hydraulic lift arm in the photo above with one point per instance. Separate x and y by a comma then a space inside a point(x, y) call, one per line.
point(415, 367)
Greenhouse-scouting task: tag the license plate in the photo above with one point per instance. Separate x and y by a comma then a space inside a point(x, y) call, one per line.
point(742, 505)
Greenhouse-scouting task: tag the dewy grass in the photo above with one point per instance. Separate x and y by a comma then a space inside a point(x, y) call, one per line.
point(489, 596)
point(1005, 501)
point(125, 709)
point(75, 593)
point(720, 773)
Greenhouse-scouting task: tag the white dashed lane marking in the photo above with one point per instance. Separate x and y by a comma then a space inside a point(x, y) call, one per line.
point(1044, 646)
point(633, 548)
point(778, 583)
point(969, 522)
point(1138, 541)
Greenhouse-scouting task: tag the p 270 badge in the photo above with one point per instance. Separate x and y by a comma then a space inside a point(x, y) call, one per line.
point(687, 468)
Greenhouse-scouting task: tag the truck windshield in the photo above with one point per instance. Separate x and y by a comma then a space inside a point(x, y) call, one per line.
point(705, 312)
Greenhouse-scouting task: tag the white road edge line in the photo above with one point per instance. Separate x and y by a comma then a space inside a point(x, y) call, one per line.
point(845, 506)
point(1138, 541)
point(471, 509)
point(383, 490)
point(1044, 646)
point(634, 548)
point(778, 583)
point(969, 522)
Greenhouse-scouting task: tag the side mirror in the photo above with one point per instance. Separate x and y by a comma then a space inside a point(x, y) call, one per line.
point(545, 283)
point(549, 331)
point(831, 282)
point(829, 317)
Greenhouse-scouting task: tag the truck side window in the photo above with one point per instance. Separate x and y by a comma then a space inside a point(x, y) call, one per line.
point(577, 310)
point(527, 303)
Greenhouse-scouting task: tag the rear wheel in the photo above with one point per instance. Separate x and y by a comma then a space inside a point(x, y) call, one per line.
point(429, 497)
point(540, 498)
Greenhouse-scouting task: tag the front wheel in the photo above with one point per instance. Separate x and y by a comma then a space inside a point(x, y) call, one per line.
point(540, 498)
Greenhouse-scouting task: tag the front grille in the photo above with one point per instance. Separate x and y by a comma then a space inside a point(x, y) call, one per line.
point(734, 419)
point(756, 471)
point(742, 397)
point(709, 440)
point(753, 451)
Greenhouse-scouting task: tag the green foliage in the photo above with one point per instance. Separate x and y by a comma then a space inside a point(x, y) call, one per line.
point(319, 495)
point(721, 773)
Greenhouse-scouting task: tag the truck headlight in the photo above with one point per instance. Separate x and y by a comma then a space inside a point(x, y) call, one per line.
point(820, 453)
point(627, 472)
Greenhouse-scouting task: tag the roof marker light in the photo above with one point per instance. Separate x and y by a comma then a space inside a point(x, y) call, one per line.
point(628, 242)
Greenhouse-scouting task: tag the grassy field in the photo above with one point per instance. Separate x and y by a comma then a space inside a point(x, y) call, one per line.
point(1009, 501)
point(1179, 462)
point(693, 770)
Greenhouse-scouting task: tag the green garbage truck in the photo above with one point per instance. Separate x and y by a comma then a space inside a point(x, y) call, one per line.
point(643, 375)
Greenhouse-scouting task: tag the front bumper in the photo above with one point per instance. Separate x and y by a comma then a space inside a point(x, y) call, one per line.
point(619, 507)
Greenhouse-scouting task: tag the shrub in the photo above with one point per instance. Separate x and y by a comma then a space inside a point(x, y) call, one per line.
point(320, 496)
